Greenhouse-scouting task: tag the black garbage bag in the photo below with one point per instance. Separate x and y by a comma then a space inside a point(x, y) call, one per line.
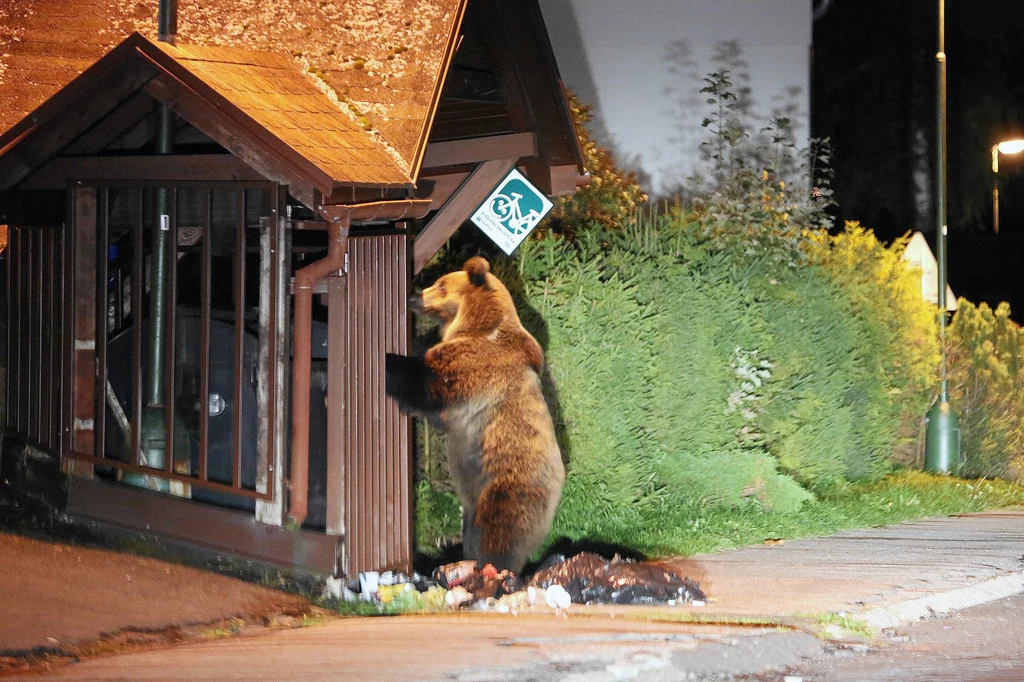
point(592, 579)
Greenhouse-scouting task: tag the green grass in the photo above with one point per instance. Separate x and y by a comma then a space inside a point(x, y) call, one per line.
point(901, 496)
point(847, 623)
point(369, 608)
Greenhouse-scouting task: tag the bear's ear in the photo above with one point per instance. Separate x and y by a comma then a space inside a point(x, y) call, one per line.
point(477, 268)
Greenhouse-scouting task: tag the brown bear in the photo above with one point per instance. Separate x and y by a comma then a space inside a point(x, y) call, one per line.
point(481, 385)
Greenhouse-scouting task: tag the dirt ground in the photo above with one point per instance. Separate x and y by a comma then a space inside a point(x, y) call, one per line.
point(56, 596)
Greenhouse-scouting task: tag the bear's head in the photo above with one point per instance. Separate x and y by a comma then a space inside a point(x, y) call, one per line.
point(471, 300)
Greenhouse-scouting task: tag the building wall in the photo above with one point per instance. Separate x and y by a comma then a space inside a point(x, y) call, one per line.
point(616, 56)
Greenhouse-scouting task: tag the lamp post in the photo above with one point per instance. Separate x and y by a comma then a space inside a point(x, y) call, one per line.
point(1006, 147)
point(942, 433)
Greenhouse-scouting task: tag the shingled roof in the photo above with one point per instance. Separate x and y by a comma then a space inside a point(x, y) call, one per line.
point(379, 63)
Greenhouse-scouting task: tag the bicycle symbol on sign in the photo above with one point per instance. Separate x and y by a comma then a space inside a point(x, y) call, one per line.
point(503, 209)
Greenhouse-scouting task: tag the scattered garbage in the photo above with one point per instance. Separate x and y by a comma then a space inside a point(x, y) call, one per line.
point(453, 575)
point(582, 579)
point(557, 598)
point(591, 579)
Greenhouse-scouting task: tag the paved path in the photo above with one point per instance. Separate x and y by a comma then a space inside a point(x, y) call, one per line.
point(861, 571)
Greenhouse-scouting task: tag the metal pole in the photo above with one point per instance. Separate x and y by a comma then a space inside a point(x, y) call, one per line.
point(167, 20)
point(158, 264)
point(153, 431)
point(995, 188)
point(940, 189)
point(942, 435)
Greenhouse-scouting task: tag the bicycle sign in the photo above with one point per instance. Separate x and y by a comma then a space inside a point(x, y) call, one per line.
point(511, 211)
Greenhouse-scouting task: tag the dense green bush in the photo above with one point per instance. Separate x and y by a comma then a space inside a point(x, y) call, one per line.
point(986, 362)
point(727, 354)
point(684, 378)
point(898, 330)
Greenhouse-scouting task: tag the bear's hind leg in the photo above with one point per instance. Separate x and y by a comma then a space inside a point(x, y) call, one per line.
point(513, 520)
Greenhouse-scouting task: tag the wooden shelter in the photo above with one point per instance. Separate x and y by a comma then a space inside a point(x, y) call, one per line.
point(179, 197)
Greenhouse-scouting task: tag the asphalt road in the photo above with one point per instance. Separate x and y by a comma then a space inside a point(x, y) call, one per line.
point(980, 644)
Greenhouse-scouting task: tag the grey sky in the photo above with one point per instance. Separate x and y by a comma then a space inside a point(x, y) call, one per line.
point(612, 53)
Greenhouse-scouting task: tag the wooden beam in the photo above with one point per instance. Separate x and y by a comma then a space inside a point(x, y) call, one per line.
point(113, 126)
point(223, 529)
point(72, 118)
point(206, 167)
point(514, 33)
point(346, 194)
point(83, 325)
point(458, 208)
point(439, 188)
point(237, 139)
point(475, 150)
point(529, 48)
point(472, 85)
point(565, 180)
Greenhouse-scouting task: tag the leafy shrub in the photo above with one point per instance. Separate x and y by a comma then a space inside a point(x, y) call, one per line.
point(986, 361)
point(682, 378)
point(898, 337)
point(759, 200)
point(611, 194)
point(726, 357)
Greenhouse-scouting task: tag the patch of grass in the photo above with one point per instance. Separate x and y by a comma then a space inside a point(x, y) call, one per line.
point(902, 496)
point(368, 608)
point(847, 623)
point(438, 519)
point(232, 627)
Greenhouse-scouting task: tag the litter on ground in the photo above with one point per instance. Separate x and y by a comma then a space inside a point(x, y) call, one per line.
point(585, 578)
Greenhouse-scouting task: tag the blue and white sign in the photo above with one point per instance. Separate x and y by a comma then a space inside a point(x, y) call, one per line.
point(511, 212)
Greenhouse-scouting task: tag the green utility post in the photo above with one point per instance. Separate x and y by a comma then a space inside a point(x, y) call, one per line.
point(153, 429)
point(942, 436)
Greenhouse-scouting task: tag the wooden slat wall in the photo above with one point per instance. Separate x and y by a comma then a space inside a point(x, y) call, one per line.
point(35, 342)
point(378, 466)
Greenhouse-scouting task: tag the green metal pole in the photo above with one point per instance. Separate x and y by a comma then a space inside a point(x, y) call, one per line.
point(942, 435)
point(161, 245)
point(153, 431)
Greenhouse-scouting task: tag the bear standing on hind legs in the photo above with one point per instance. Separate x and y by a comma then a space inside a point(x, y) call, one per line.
point(481, 385)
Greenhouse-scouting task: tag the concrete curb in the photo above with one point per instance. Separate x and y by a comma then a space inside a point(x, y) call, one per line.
point(915, 609)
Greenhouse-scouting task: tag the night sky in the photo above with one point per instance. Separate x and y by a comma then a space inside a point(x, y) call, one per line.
point(874, 93)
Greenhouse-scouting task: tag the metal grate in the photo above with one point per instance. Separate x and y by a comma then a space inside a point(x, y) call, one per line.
point(35, 335)
point(199, 424)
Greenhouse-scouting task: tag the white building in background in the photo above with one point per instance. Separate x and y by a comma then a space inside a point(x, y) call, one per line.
point(639, 63)
point(920, 254)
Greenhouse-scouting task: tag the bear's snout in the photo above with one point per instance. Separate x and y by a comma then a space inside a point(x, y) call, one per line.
point(416, 302)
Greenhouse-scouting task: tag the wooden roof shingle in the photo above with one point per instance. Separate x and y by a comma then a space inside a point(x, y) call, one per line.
point(271, 91)
point(380, 63)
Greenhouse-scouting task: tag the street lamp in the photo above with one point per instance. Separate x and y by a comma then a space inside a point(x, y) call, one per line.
point(1006, 147)
point(942, 431)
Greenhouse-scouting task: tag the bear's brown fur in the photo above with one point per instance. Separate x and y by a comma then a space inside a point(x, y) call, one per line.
point(481, 385)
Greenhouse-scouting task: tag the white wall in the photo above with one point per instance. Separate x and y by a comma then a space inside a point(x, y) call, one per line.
point(612, 53)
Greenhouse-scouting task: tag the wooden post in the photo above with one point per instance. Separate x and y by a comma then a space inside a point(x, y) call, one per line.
point(83, 326)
